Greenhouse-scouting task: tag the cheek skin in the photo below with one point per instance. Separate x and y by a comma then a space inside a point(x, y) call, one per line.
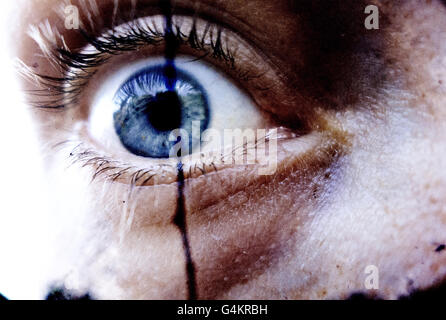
point(240, 240)
point(119, 246)
point(389, 209)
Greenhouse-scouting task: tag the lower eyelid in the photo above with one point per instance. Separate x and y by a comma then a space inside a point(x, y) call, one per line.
point(151, 172)
point(296, 154)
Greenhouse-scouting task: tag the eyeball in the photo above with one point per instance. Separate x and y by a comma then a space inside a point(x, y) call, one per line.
point(149, 111)
point(136, 111)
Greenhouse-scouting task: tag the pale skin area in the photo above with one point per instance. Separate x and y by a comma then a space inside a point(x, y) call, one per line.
point(370, 193)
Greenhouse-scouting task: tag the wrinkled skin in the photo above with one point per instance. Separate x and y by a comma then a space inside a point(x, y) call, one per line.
point(369, 190)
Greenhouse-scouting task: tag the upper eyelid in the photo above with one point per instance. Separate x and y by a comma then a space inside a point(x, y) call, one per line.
point(258, 73)
point(124, 11)
point(77, 68)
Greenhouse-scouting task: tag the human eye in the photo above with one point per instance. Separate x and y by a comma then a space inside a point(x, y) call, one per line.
point(128, 120)
point(145, 111)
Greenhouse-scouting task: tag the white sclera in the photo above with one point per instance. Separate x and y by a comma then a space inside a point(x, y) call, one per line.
point(229, 106)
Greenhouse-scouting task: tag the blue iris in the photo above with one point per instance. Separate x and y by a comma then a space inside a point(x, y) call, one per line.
point(149, 111)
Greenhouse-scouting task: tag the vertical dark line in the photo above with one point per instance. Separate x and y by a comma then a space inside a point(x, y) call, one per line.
point(170, 76)
point(180, 222)
point(171, 46)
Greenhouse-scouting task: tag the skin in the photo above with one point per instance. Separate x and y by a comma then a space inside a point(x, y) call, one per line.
point(363, 185)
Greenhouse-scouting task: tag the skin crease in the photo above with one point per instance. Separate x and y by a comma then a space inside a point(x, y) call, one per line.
point(369, 192)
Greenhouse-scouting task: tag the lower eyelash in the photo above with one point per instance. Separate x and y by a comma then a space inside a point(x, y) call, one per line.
point(111, 170)
point(78, 68)
point(107, 168)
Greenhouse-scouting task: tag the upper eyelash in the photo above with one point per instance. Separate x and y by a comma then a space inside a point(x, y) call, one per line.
point(77, 68)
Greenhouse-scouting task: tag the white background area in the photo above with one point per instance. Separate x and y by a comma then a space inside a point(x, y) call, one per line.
point(24, 223)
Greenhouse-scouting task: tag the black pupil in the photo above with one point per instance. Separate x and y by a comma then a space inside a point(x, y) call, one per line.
point(164, 111)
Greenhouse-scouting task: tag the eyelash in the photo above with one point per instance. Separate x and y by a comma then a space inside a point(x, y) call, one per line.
point(78, 68)
point(103, 165)
point(113, 170)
